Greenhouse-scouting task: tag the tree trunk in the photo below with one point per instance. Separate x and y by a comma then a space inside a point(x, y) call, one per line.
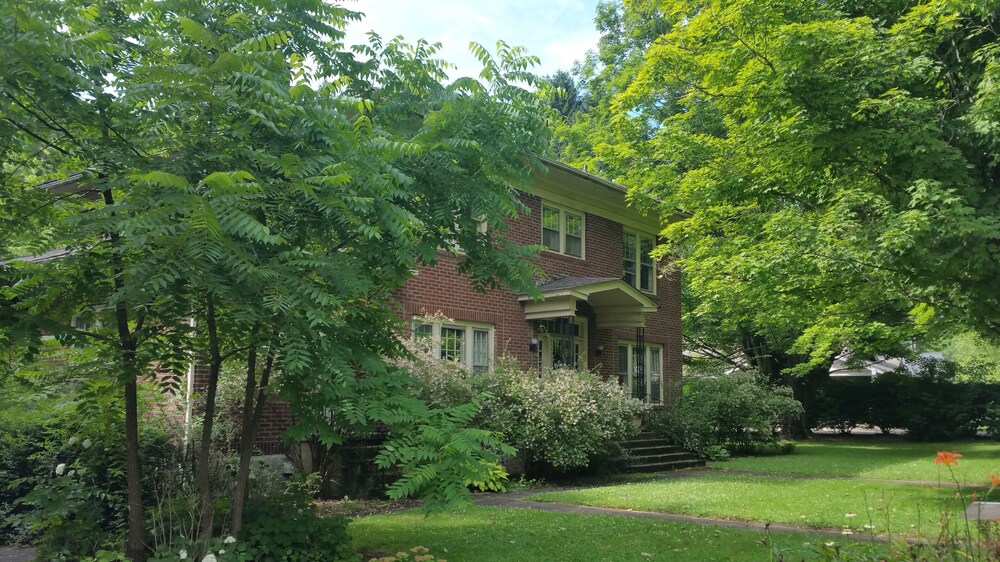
point(804, 390)
point(252, 414)
point(135, 547)
point(207, 510)
point(773, 365)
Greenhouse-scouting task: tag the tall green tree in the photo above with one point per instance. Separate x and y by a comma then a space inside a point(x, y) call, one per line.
point(252, 175)
point(828, 165)
point(562, 94)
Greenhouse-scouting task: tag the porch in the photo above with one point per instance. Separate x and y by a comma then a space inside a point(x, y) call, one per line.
point(600, 318)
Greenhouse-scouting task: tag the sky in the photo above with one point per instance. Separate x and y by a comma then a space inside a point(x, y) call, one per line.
point(558, 32)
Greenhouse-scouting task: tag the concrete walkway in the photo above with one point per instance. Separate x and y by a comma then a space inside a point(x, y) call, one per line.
point(515, 500)
point(518, 500)
point(17, 554)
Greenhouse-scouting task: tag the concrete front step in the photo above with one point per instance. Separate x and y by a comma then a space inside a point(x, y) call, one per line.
point(647, 452)
point(663, 466)
point(654, 450)
point(675, 456)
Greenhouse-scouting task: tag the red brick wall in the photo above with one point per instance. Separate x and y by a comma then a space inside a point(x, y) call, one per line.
point(439, 288)
point(273, 423)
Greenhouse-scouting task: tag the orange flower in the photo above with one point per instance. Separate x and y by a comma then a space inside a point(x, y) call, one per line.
point(946, 458)
point(994, 480)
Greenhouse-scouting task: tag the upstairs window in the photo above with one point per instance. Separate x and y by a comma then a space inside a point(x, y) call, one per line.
point(562, 231)
point(639, 269)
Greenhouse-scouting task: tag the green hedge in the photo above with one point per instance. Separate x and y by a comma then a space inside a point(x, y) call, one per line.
point(933, 406)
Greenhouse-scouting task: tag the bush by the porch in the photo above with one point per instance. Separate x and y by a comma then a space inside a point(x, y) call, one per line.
point(563, 418)
point(716, 416)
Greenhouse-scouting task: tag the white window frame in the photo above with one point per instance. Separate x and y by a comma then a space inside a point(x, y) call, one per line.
point(563, 211)
point(579, 341)
point(467, 343)
point(637, 259)
point(631, 367)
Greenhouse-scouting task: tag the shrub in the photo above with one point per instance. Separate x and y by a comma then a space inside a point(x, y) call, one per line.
point(736, 413)
point(930, 404)
point(837, 405)
point(62, 483)
point(563, 417)
point(288, 528)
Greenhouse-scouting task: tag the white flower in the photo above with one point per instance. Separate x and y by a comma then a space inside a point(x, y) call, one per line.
point(869, 526)
point(60, 469)
point(74, 440)
point(183, 554)
point(222, 551)
point(849, 514)
point(847, 532)
point(209, 558)
point(230, 539)
point(87, 443)
point(828, 544)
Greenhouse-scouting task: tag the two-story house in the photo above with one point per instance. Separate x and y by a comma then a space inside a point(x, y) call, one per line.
point(606, 306)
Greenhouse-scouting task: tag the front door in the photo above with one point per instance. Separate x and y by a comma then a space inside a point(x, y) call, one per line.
point(649, 387)
point(562, 343)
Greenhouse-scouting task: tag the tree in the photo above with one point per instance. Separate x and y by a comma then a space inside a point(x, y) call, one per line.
point(562, 94)
point(261, 180)
point(826, 164)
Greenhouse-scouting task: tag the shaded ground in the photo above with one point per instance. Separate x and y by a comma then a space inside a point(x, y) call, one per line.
point(360, 508)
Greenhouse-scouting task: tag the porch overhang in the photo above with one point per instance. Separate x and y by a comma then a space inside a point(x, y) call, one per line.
point(616, 304)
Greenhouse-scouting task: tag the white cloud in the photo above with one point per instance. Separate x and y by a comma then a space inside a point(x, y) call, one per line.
point(559, 32)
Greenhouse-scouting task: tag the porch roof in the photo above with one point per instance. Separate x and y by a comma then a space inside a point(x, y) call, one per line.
point(616, 304)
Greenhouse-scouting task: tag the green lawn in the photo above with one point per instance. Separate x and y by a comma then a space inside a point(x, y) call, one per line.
point(810, 502)
point(501, 535)
point(496, 534)
point(878, 458)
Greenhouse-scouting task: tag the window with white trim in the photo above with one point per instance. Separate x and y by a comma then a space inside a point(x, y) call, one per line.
point(468, 344)
point(653, 356)
point(562, 230)
point(639, 268)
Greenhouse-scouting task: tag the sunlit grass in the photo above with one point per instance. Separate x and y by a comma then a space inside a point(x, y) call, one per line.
point(809, 502)
point(501, 535)
point(878, 458)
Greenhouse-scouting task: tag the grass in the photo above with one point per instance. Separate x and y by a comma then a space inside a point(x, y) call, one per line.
point(822, 498)
point(810, 502)
point(877, 458)
point(508, 535)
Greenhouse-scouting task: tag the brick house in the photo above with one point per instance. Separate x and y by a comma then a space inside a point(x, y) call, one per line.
point(606, 305)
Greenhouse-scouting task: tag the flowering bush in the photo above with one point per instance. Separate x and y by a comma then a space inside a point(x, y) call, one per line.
point(441, 384)
point(562, 417)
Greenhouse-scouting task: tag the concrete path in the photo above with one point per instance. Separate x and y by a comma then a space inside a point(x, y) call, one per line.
point(17, 554)
point(517, 500)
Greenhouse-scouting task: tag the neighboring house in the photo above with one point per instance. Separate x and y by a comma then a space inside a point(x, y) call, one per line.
point(843, 366)
point(606, 305)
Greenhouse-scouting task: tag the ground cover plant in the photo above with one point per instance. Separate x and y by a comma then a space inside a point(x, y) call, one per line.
point(886, 458)
point(500, 535)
